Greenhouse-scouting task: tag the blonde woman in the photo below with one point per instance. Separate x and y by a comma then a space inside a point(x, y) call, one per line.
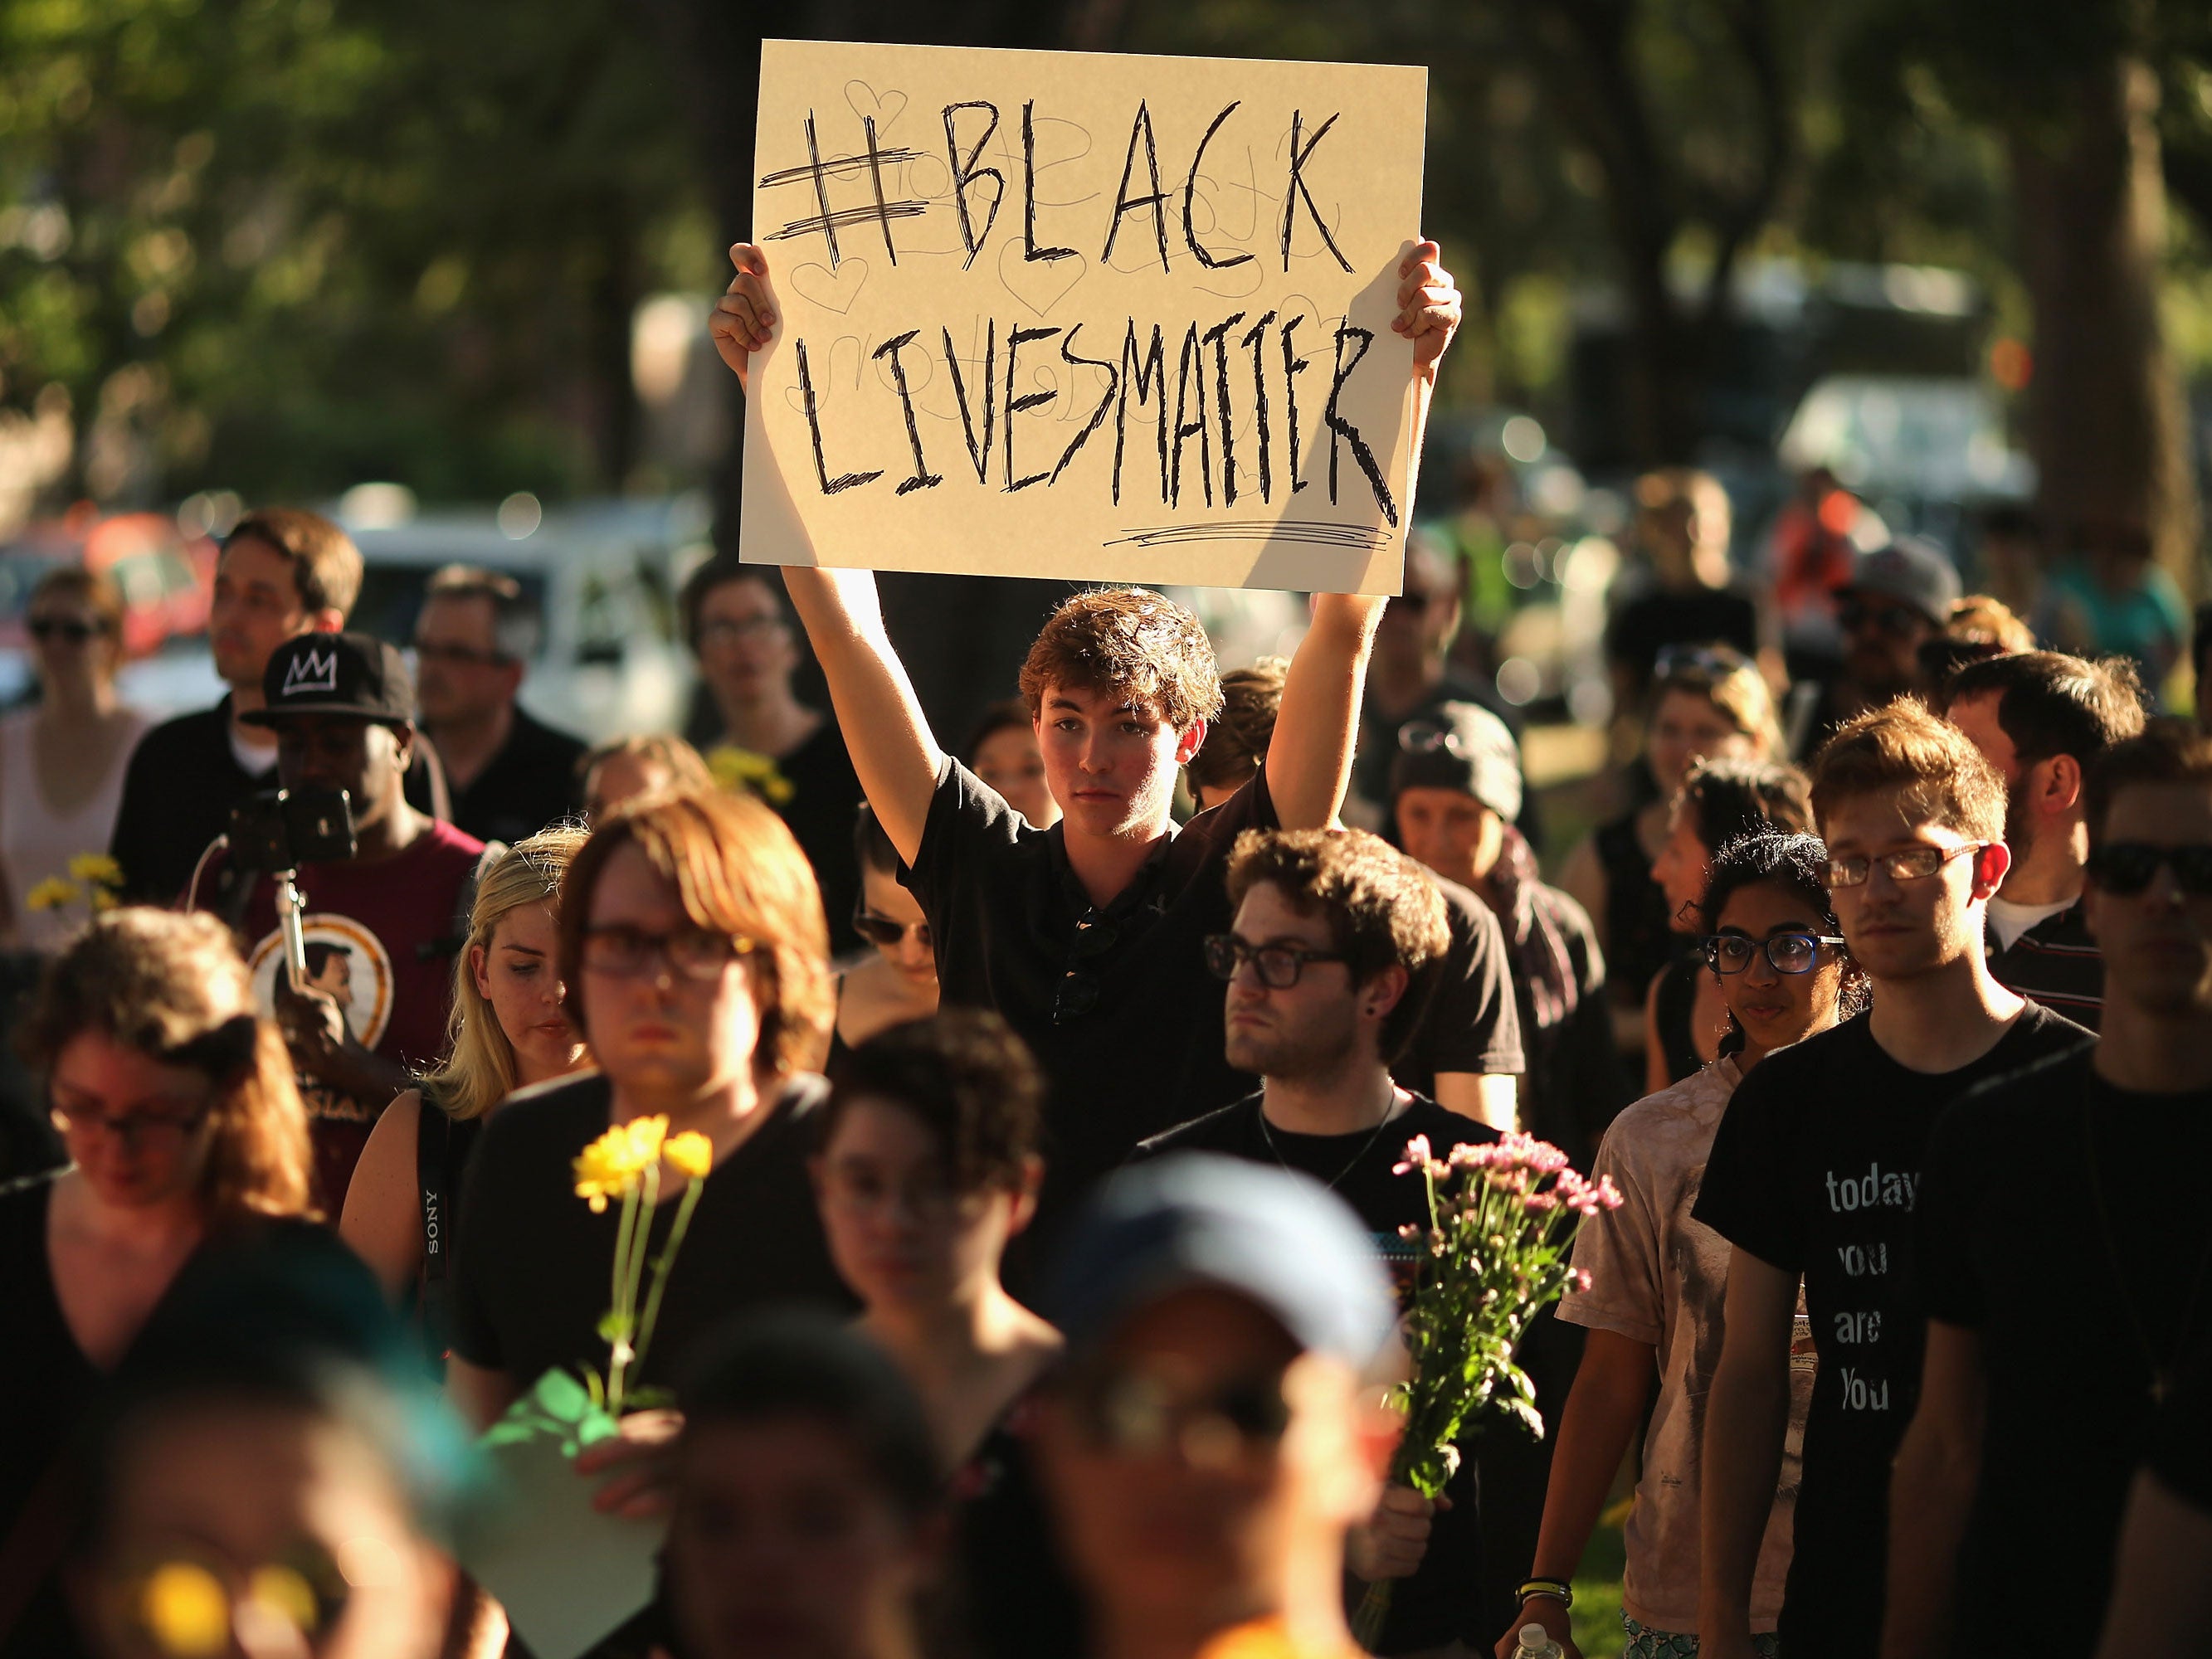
point(187, 1141)
point(508, 1031)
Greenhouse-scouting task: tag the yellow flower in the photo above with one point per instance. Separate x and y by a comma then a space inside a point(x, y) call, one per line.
point(735, 768)
point(691, 1152)
point(51, 894)
point(97, 869)
point(646, 1136)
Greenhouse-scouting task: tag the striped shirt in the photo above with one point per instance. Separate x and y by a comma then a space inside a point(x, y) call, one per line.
point(2055, 962)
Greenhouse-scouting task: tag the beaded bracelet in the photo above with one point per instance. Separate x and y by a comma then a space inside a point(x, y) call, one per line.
point(1552, 1589)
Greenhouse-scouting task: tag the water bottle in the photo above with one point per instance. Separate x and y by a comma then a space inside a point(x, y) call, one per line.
point(1536, 1643)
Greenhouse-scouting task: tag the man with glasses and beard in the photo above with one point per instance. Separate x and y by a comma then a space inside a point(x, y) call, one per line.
point(1336, 947)
point(2044, 720)
point(2011, 1482)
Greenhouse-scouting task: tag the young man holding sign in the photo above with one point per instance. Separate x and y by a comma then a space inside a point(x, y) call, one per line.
point(1086, 937)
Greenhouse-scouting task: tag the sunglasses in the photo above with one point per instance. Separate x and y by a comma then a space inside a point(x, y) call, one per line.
point(2126, 867)
point(886, 932)
point(1714, 660)
point(43, 628)
point(1785, 953)
point(1080, 984)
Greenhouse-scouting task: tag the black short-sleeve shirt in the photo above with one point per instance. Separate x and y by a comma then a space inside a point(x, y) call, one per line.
point(1471, 1023)
point(1442, 1601)
point(530, 1281)
point(1115, 1003)
point(1999, 1257)
point(1816, 1170)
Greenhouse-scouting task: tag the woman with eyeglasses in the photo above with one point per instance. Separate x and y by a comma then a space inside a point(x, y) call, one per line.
point(1658, 1279)
point(508, 1031)
point(1707, 702)
point(1684, 1020)
point(691, 949)
point(928, 1167)
point(896, 981)
point(186, 1135)
point(62, 762)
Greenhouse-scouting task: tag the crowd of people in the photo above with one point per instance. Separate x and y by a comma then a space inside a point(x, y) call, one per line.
point(1042, 1259)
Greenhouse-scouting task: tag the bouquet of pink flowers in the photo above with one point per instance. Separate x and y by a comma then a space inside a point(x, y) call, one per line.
point(1502, 1222)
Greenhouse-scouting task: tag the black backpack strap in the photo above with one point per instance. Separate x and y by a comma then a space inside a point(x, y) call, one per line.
point(457, 930)
point(433, 1172)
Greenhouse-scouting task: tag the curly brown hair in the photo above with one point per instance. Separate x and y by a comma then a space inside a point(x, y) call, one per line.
point(171, 987)
point(1130, 642)
point(1383, 909)
point(736, 871)
point(1936, 771)
point(970, 1080)
point(1236, 744)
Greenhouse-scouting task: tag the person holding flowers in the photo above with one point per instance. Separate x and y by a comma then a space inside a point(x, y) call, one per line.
point(1655, 1279)
point(1335, 946)
point(508, 1031)
point(691, 942)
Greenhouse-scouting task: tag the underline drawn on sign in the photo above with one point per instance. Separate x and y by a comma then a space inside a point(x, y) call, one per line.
point(1314, 533)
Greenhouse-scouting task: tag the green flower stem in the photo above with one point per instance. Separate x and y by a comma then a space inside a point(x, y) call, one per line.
point(662, 1268)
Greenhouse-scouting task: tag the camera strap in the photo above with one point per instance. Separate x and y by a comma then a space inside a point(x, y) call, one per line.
point(433, 1133)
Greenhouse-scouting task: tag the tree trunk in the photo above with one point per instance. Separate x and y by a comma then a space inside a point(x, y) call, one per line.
point(2109, 431)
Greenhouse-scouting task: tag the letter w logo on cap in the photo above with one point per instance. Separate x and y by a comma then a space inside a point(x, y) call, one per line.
point(311, 670)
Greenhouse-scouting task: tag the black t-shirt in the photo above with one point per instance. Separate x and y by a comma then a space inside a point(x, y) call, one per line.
point(1140, 1032)
point(530, 1282)
point(1471, 1023)
point(1442, 1602)
point(2181, 1447)
point(530, 783)
point(2058, 1288)
point(178, 791)
point(1816, 1171)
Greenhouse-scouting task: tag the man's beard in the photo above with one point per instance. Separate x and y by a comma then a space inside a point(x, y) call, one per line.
point(2018, 825)
point(1296, 1053)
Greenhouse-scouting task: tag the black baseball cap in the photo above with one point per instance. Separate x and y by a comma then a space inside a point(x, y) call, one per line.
point(347, 674)
point(1462, 746)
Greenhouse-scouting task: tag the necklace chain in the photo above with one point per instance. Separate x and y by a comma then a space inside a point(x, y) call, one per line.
point(1389, 1111)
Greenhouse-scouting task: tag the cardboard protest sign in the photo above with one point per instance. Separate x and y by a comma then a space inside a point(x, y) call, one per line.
point(1108, 317)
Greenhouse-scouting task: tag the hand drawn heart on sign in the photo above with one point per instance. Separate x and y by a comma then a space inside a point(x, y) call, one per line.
point(1040, 284)
point(867, 103)
point(832, 290)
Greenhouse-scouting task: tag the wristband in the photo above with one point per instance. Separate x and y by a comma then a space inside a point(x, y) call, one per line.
point(1551, 1588)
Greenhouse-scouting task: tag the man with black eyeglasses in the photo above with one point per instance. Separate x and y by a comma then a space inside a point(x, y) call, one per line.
point(1815, 1174)
point(510, 775)
point(1993, 1491)
point(1899, 596)
point(1336, 947)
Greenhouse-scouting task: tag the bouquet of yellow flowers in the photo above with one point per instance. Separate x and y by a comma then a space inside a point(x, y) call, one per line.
point(623, 1166)
point(94, 878)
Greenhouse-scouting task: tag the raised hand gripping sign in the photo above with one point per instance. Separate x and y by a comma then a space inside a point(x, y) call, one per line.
point(1118, 319)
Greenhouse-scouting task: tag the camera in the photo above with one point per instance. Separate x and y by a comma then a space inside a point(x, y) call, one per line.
point(281, 830)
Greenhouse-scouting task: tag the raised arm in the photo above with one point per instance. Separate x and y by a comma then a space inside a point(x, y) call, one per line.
point(885, 732)
point(1931, 1490)
point(1309, 757)
point(1746, 1417)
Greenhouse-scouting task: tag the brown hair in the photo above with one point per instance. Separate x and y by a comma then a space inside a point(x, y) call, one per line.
point(170, 986)
point(1236, 744)
point(1730, 798)
point(326, 564)
point(721, 570)
point(96, 590)
point(736, 871)
point(686, 767)
point(2168, 752)
point(1980, 619)
point(1127, 642)
point(1731, 683)
point(2050, 703)
point(969, 1079)
point(1940, 775)
point(1382, 908)
point(478, 1071)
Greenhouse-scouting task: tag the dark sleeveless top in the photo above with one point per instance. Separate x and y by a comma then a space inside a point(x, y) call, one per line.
point(442, 1145)
point(1674, 1013)
point(1638, 941)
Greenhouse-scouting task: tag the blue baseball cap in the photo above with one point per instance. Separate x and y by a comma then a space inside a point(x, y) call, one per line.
point(1280, 1240)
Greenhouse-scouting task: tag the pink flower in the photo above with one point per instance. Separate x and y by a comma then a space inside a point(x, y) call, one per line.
point(1538, 1203)
point(1580, 1278)
point(1409, 1232)
point(1416, 1156)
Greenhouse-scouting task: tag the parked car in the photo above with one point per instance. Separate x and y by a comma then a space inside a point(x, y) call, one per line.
point(168, 581)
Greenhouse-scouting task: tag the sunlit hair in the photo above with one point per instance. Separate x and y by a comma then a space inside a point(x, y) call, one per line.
point(1732, 683)
point(736, 871)
point(1126, 643)
point(1771, 857)
point(966, 1078)
point(170, 986)
point(1981, 619)
point(479, 1068)
point(96, 590)
point(1382, 908)
point(2050, 703)
point(686, 767)
point(1729, 798)
point(1937, 774)
point(1236, 744)
point(2169, 751)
